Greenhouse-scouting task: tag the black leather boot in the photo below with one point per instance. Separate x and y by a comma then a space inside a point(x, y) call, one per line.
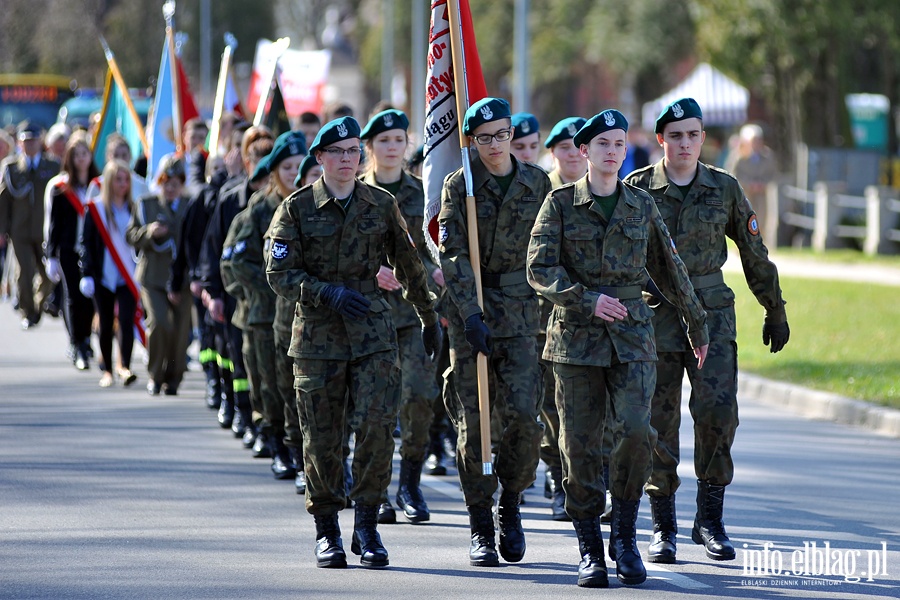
point(592, 568)
point(366, 541)
point(251, 434)
point(512, 537)
point(409, 494)
point(329, 549)
point(709, 530)
point(482, 551)
point(606, 517)
point(300, 478)
point(622, 543)
point(386, 514)
point(282, 465)
point(213, 389)
point(226, 412)
point(557, 495)
point(243, 415)
point(662, 544)
point(262, 445)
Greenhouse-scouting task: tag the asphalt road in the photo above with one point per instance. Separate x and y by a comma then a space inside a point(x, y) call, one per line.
point(109, 493)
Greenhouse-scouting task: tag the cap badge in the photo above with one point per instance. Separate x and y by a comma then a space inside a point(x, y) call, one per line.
point(572, 129)
point(677, 111)
point(609, 119)
point(388, 120)
point(486, 112)
point(526, 128)
point(342, 130)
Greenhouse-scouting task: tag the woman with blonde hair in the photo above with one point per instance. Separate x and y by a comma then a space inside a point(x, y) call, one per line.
point(107, 267)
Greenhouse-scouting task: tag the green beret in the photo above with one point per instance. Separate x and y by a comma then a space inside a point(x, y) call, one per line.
point(524, 124)
point(308, 163)
point(686, 108)
point(288, 144)
point(607, 120)
point(564, 130)
point(385, 121)
point(485, 111)
point(344, 128)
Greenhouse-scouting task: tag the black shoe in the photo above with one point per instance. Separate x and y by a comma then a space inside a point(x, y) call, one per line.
point(592, 568)
point(709, 530)
point(623, 549)
point(512, 537)
point(553, 484)
point(665, 529)
point(386, 514)
point(213, 394)
point(171, 390)
point(282, 465)
point(329, 549)
point(153, 388)
point(82, 362)
point(241, 421)
point(482, 552)
point(409, 494)
point(300, 482)
point(226, 414)
point(251, 436)
point(51, 309)
point(434, 465)
point(366, 541)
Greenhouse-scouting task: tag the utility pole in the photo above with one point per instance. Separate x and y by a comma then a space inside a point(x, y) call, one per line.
point(419, 39)
point(387, 48)
point(522, 66)
point(205, 52)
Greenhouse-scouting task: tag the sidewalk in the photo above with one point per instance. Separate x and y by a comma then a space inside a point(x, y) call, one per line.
point(814, 404)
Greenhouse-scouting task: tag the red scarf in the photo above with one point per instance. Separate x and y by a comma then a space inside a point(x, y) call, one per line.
point(71, 196)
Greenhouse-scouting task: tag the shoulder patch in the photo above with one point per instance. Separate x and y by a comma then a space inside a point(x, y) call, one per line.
point(226, 253)
point(753, 225)
point(443, 234)
point(240, 247)
point(279, 250)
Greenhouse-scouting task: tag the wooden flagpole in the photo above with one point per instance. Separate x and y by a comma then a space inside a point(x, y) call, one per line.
point(462, 105)
point(169, 15)
point(219, 107)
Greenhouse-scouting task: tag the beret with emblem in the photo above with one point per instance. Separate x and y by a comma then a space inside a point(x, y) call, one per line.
point(564, 130)
point(288, 144)
point(344, 128)
point(686, 108)
point(524, 124)
point(485, 111)
point(385, 121)
point(308, 163)
point(602, 122)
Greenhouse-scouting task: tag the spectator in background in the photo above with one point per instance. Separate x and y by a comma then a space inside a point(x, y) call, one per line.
point(754, 167)
point(309, 125)
point(336, 110)
point(56, 140)
point(638, 155)
point(117, 148)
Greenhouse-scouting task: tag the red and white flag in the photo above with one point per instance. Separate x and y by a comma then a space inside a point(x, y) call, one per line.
point(442, 151)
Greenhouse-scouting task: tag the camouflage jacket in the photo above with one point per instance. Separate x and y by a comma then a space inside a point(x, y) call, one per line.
point(715, 209)
point(504, 222)
point(248, 261)
point(313, 243)
point(574, 251)
point(230, 282)
point(411, 200)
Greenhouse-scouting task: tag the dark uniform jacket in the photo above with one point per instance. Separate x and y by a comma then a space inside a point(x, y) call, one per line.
point(715, 209)
point(200, 209)
point(574, 252)
point(155, 255)
point(504, 226)
point(233, 198)
point(248, 261)
point(411, 200)
point(313, 243)
point(22, 197)
point(64, 228)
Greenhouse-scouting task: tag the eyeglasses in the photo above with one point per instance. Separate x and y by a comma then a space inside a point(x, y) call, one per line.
point(484, 139)
point(336, 152)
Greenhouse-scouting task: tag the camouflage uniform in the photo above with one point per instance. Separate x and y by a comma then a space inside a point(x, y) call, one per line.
point(248, 267)
point(574, 254)
point(417, 372)
point(715, 208)
point(345, 370)
point(512, 316)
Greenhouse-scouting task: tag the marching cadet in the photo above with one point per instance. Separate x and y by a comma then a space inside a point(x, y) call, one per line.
point(508, 194)
point(386, 141)
point(526, 140)
point(702, 206)
point(327, 244)
point(568, 163)
point(589, 250)
point(249, 268)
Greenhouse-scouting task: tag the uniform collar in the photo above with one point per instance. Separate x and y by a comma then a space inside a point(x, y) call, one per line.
point(481, 176)
point(322, 197)
point(660, 181)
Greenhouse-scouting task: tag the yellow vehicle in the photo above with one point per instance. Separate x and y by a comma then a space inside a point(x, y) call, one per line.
point(33, 96)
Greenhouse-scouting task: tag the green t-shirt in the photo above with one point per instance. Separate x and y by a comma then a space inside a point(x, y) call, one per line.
point(685, 189)
point(505, 181)
point(393, 188)
point(607, 204)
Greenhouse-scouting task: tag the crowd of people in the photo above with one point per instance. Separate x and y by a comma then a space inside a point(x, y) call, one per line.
point(326, 328)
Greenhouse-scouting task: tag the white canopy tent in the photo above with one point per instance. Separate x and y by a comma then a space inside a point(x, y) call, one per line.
point(722, 100)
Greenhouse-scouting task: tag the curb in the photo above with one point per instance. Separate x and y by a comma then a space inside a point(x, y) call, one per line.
point(823, 406)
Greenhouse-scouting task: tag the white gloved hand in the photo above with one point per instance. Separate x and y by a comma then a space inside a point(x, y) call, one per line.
point(54, 272)
point(86, 286)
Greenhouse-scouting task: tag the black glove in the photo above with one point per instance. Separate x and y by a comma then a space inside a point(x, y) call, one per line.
point(477, 334)
point(432, 335)
point(349, 303)
point(777, 333)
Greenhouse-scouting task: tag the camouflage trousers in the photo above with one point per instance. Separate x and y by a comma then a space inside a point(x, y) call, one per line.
point(271, 399)
point(248, 355)
point(515, 378)
point(550, 418)
point(418, 391)
point(583, 409)
point(363, 393)
point(713, 406)
point(284, 380)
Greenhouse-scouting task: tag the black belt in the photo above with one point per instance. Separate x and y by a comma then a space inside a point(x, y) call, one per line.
point(706, 281)
point(628, 292)
point(364, 286)
point(499, 280)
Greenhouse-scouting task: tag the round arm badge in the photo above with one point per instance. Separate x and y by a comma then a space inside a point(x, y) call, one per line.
point(752, 225)
point(279, 250)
